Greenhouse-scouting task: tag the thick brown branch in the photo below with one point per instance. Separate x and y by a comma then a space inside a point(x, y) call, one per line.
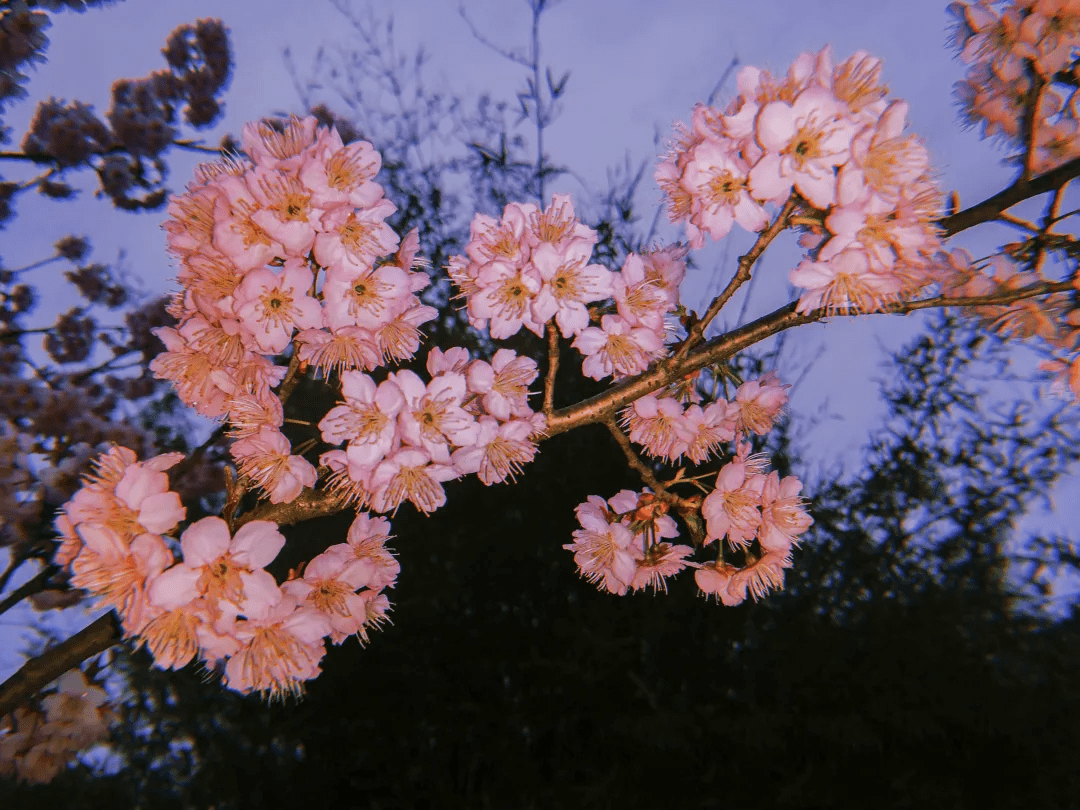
point(1019, 191)
point(312, 503)
point(39, 672)
point(604, 406)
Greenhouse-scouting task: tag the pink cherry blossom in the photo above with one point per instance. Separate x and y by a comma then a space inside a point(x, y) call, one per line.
point(617, 348)
point(225, 570)
point(329, 585)
point(843, 283)
point(714, 579)
point(503, 384)
point(569, 283)
point(757, 404)
point(604, 551)
point(804, 141)
point(783, 513)
point(731, 510)
point(498, 450)
point(282, 146)
point(278, 652)
point(265, 458)
point(657, 424)
point(272, 306)
point(409, 475)
point(717, 180)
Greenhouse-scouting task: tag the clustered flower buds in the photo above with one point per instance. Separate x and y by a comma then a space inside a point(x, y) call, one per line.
point(827, 134)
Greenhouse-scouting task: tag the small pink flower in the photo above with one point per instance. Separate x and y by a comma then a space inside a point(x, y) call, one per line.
point(272, 306)
point(732, 509)
point(757, 404)
point(278, 652)
point(227, 571)
point(604, 552)
point(265, 458)
point(803, 143)
point(661, 561)
point(617, 348)
point(783, 516)
point(714, 579)
point(503, 384)
point(569, 284)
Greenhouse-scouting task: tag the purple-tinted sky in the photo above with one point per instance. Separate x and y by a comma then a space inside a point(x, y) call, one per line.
point(636, 66)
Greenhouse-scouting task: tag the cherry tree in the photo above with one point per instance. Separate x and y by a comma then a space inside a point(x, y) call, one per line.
point(291, 279)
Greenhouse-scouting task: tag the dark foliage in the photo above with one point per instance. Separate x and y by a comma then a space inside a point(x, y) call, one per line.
point(894, 669)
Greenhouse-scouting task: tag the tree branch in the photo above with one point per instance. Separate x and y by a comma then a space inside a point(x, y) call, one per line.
point(1019, 191)
point(640, 467)
point(742, 275)
point(31, 586)
point(604, 406)
point(39, 672)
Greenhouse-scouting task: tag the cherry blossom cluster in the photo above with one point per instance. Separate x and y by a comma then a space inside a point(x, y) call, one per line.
point(669, 430)
point(826, 133)
point(405, 437)
point(620, 547)
point(532, 266)
point(218, 601)
point(750, 505)
point(621, 543)
point(284, 251)
point(37, 744)
point(1023, 57)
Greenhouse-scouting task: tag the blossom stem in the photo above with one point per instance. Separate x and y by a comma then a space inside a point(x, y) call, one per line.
point(642, 469)
point(696, 331)
point(553, 367)
point(290, 381)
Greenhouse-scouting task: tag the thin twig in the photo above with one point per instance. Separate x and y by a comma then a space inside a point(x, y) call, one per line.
point(15, 561)
point(195, 146)
point(696, 331)
point(29, 588)
point(553, 367)
point(641, 468)
point(603, 406)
